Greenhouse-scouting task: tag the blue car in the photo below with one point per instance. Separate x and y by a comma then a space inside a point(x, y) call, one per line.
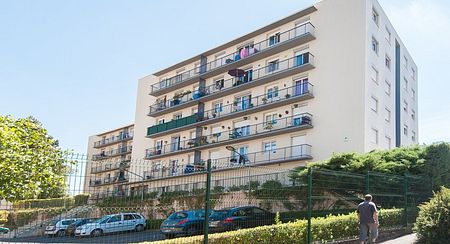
point(186, 223)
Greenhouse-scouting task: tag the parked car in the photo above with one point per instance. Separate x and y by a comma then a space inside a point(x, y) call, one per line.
point(58, 227)
point(183, 223)
point(239, 218)
point(4, 230)
point(70, 231)
point(112, 223)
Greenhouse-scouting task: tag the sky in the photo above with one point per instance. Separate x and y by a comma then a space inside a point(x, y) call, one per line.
point(74, 64)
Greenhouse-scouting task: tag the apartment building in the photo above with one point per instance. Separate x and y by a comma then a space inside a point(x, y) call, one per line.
point(109, 158)
point(334, 77)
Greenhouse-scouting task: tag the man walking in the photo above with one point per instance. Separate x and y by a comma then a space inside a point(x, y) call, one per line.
point(368, 219)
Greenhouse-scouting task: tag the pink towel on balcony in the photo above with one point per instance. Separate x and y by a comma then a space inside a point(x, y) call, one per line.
point(244, 52)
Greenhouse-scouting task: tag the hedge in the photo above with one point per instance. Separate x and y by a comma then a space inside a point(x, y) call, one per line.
point(323, 228)
point(22, 217)
point(154, 224)
point(52, 202)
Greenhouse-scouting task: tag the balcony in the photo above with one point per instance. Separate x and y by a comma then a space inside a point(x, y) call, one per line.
point(288, 39)
point(112, 153)
point(119, 138)
point(282, 69)
point(250, 132)
point(299, 92)
point(279, 155)
point(109, 180)
point(110, 166)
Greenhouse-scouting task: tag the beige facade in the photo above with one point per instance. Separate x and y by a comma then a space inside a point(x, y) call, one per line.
point(334, 77)
point(108, 161)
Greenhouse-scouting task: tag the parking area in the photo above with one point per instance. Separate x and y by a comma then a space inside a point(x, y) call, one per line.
point(127, 237)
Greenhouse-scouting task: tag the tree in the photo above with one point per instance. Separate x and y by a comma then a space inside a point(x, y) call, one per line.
point(31, 163)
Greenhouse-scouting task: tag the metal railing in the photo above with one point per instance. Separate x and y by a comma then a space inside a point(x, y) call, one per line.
point(303, 119)
point(110, 166)
point(249, 51)
point(108, 180)
point(112, 153)
point(280, 154)
point(253, 76)
point(114, 139)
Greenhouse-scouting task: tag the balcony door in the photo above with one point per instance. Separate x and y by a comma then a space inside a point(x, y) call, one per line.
point(301, 86)
point(297, 149)
point(240, 156)
point(243, 102)
point(301, 58)
point(241, 129)
point(173, 167)
point(175, 144)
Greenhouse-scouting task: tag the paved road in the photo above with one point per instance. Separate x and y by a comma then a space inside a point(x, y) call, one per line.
point(408, 239)
point(129, 237)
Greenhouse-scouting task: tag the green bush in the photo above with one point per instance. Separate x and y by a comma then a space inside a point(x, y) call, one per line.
point(433, 221)
point(22, 217)
point(154, 224)
point(323, 228)
point(81, 199)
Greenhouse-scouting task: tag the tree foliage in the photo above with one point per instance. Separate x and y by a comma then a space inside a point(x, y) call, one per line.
point(432, 161)
point(31, 163)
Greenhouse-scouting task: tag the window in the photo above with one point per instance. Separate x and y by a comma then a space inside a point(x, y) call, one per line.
point(388, 141)
point(388, 115)
point(374, 74)
point(115, 218)
point(161, 121)
point(272, 93)
point(374, 136)
point(218, 107)
point(159, 145)
point(272, 66)
point(388, 62)
point(177, 116)
point(128, 217)
point(274, 39)
point(405, 106)
point(375, 16)
point(405, 130)
point(413, 114)
point(375, 45)
point(374, 104)
point(388, 35)
point(387, 88)
point(413, 137)
point(271, 119)
point(405, 83)
point(196, 68)
point(270, 147)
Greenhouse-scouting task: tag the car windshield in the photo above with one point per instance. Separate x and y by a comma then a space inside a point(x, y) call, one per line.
point(218, 214)
point(102, 219)
point(54, 222)
point(179, 215)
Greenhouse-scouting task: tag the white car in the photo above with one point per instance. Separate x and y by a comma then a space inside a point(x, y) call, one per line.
point(58, 227)
point(112, 223)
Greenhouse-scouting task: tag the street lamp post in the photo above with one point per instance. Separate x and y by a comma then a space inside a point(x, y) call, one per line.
point(232, 149)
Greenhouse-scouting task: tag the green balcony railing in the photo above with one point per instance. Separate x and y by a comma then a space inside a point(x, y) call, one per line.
point(172, 124)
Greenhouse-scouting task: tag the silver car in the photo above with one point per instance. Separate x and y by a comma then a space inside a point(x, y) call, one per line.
point(112, 223)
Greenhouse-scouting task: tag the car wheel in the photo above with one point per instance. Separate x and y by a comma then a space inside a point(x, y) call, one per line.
point(236, 227)
point(169, 236)
point(61, 233)
point(96, 232)
point(139, 228)
point(191, 231)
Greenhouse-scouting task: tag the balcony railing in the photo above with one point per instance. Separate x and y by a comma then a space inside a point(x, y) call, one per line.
point(110, 166)
point(297, 120)
point(115, 139)
point(172, 124)
point(244, 53)
point(109, 180)
point(296, 152)
point(254, 76)
point(112, 153)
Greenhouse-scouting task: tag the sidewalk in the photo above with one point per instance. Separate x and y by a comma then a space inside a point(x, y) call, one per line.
point(408, 239)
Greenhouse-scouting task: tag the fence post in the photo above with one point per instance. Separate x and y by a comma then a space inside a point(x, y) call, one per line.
point(405, 186)
point(207, 201)
point(368, 182)
point(309, 204)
